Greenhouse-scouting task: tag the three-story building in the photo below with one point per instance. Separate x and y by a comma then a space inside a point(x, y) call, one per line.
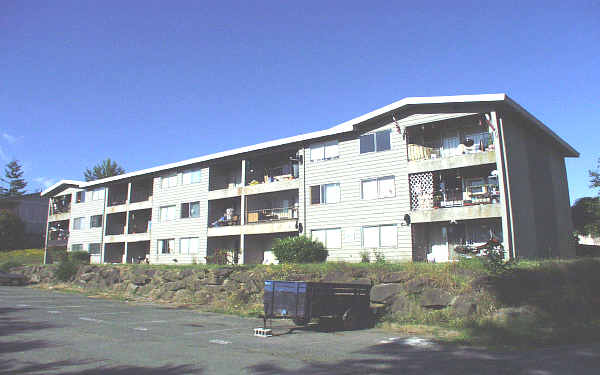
point(409, 181)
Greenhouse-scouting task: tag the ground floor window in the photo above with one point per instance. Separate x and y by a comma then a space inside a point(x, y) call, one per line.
point(374, 237)
point(189, 245)
point(330, 238)
point(94, 248)
point(77, 247)
point(166, 246)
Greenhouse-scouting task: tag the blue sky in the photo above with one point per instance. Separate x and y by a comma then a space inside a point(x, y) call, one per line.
point(79, 80)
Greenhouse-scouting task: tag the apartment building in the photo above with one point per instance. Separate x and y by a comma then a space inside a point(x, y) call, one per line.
point(411, 181)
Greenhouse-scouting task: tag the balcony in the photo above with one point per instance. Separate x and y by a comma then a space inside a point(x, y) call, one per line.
point(450, 144)
point(454, 194)
point(60, 207)
point(58, 233)
point(278, 168)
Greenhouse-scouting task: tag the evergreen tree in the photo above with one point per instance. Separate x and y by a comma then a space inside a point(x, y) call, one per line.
point(14, 179)
point(106, 168)
point(595, 177)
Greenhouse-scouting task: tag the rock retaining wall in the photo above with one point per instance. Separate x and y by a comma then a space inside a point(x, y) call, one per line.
point(241, 290)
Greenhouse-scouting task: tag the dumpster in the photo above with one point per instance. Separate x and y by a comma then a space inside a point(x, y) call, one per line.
point(302, 301)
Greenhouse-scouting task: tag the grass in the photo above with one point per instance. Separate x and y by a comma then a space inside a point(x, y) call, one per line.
point(15, 258)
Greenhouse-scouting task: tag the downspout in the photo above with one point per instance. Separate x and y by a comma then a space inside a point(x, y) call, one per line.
point(304, 182)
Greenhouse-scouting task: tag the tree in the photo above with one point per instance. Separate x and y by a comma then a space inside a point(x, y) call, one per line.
point(12, 231)
point(106, 168)
point(595, 177)
point(16, 184)
point(586, 216)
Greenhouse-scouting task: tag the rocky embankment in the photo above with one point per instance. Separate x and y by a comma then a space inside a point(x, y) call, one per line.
point(239, 290)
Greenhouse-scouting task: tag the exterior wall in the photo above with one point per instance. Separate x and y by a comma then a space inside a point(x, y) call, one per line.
point(352, 213)
point(86, 209)
point(179, 228)
point(538, 192)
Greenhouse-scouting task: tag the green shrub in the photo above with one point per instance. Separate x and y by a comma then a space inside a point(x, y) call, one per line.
point(379, 256)
point(300, 249)
point(56, 254)
point(7, 266)
point(364, 257)
point(82, 257)
point(66, 270)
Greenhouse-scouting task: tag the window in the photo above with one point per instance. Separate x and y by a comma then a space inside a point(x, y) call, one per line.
point(80, 197)
point(167, 213)
point(375, 142)
point(380, 236)
point(191, 177)
point(191, 209)
point(475, 185)
point(383, 187)
point(324, 151)
point(166, 246)
point(94, 249)
point(77, 247)
point(331, 238)
point(96, 221)
point(168, 181)
point(189, 245)
point(96, 194)
point(328, 193)
point(78, 223)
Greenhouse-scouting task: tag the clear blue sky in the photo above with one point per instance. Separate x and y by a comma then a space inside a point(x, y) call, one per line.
point(148, 83)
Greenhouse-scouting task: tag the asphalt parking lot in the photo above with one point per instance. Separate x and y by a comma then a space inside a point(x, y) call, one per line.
point(45, 332)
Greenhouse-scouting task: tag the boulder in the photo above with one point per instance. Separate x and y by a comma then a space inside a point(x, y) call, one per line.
point(416, 286)
point(395, 277)
point(525, 314)
point(465, 304)
point(383, 292)
point(400, 303)
point(174, 286)
point(85, 277)
point(435, 298)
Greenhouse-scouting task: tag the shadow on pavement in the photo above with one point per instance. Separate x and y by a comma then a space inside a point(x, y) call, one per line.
point(401, 358)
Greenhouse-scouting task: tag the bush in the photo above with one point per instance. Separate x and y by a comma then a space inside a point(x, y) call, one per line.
point(364, 257)
point(300, 249)
point(56, 254)
point(80, 257)
point(7, 266)
point(66, 270)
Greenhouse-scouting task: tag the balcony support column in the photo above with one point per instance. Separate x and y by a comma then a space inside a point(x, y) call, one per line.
point(499, 146)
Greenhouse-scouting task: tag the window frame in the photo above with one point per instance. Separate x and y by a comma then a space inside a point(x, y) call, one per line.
point(191, 173)
point(375, 144)
point(79, 245)
point(168, 178)
point(322, 193)
point(91, 221)
point(189, 210)
point(327, 230)
point(99, 248)
point(378, 181)
point(160, 249)
point(80, 196)
point(81, 221)
point(160, 213)
point(96, 194)
point(189, 252)
point(379, 246)
point(323, 145)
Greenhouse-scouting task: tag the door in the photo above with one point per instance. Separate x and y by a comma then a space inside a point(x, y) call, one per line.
point(439, 248)
point(450, 144)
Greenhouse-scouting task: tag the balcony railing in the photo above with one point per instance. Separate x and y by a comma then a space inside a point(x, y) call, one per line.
point(271, 214)
point(478, 143)
point(60, 207)
point(444, 198)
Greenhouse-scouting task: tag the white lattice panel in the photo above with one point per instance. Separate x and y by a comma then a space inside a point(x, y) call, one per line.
point(421, 191)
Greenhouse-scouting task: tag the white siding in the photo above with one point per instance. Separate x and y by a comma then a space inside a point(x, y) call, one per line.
point(179, 228)
point(352, 213)
point(86, 209)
